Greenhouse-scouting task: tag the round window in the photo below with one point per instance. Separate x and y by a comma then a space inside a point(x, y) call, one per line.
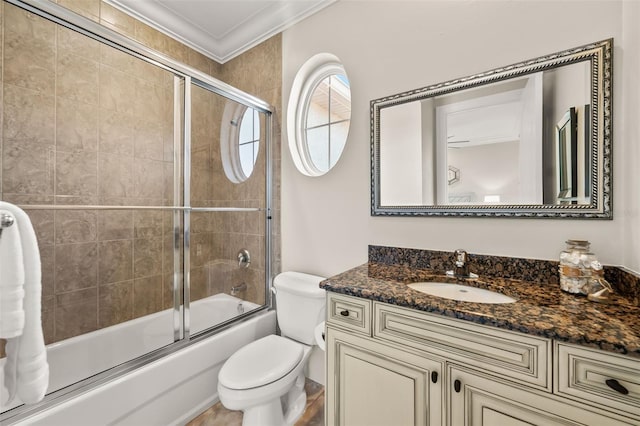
point(239, 141)
point(319, 114)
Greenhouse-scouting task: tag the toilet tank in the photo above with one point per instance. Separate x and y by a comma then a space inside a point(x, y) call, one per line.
point(300, 305)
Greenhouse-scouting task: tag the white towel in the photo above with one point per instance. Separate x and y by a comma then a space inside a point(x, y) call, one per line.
point(26, 369)
point(11, 282)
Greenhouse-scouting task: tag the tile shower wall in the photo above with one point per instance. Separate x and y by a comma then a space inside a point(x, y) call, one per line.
point(85, 124)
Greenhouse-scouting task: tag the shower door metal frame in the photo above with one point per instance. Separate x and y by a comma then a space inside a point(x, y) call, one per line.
point(183, 75)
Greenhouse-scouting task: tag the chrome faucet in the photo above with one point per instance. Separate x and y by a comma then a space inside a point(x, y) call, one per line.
point(461, 266)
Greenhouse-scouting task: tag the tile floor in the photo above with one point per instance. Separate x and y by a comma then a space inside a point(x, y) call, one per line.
point(217, 415)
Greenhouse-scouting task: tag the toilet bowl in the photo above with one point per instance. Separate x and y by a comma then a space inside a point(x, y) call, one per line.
point(265, 379)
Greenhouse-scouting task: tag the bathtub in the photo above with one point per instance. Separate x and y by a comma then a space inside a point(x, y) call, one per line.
point(170, 390)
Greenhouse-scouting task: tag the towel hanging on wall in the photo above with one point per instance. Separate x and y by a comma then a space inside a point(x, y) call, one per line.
point(11, 282)
point(26, 371)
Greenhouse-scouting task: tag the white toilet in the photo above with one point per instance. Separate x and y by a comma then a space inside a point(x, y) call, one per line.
point(265, 379)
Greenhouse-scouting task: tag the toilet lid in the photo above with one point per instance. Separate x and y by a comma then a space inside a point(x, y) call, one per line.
point(261, 362)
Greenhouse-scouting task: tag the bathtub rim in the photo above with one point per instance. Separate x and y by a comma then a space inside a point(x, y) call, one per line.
point(24, 412)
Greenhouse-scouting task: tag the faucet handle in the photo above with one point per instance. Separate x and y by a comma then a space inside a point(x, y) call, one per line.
point(461, 257)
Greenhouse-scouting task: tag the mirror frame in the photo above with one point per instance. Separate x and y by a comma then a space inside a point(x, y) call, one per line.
point(600, 207)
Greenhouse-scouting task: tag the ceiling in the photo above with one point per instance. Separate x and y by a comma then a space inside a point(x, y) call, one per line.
point(220, 29)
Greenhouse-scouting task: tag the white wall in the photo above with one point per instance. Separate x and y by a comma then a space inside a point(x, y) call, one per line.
point(629, 137)
point(490, 169)
point(389, 47)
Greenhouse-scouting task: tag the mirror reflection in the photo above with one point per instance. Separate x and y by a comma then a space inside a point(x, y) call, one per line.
point(490, 144)
point(521, 141)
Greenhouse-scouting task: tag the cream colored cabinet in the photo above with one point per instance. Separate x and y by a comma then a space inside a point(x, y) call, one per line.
point(477, 399)
point(388, 365)
point(375, 384)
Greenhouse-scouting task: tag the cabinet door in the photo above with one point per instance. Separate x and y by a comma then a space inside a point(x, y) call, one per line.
point(371, 384)
point(476, 399)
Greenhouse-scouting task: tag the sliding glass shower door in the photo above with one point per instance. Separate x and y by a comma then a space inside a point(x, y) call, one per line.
point(228, 207)
point(148, 186)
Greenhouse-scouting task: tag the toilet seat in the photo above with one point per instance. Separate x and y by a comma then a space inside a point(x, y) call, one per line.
point(261, 362)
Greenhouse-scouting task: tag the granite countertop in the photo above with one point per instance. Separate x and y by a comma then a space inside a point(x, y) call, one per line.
point(541, 309)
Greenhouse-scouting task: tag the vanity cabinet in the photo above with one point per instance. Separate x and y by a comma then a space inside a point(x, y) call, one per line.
point(376, 384)
point(477, 399)
point(408, 367)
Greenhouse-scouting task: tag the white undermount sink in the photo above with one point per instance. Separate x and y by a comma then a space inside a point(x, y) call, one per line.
point(463, 293)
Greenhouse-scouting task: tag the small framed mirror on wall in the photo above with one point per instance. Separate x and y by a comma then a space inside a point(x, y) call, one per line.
point(532, 139)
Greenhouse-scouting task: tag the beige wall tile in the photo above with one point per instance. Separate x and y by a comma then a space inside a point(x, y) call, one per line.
point(201, 249)
point(147, 296)
point(81, 45)
point(116, 132)
point(27, 170)
point(27, 24)
point(150, 37)
point(28, 116)
point(151, 73)
point(1, 50)
point(79, 226)
point(115, 225)
point(77, 173)
point(115, 261)
point(29, 62)
point(200, 222)
point(47, 262)
point(76, 126)
point(149, 101)
point(147, 224)
point(115, 176)
point(147, 257)
point(76, 266)
point(168, 171)
point(198, 288)
point(48, 319)
point(255, 245)
point(200, 185)
point(117, 90)
point(43, 224)
point(177, 50)
point(169, 141)
point(76, 78)
point(117, 59)
point(148, 140)
point(201, 155)
point(116, 20)
point(167, 291)
point(115, 303)
point(198, 61)
point(87, 8)
point(148, 179)
point(76, 313)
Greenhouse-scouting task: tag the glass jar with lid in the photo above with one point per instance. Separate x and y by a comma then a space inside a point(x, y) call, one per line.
point(576, 267)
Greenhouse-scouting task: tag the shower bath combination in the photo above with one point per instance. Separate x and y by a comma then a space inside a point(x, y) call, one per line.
point(143, 178)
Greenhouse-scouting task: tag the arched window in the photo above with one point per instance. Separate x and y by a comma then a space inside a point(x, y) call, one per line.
point(319, 114)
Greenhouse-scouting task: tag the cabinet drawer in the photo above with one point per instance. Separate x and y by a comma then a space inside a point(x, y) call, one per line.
point(477, 399)
point(582, 374)
point(349, 312)
point(511, 355)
